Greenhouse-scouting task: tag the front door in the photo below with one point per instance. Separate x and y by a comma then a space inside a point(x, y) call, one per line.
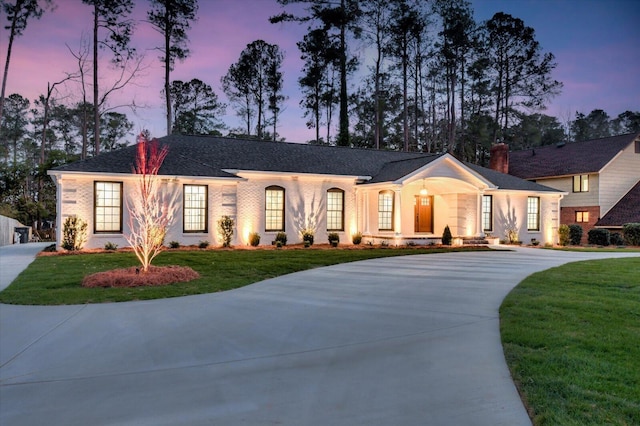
point(424, 213)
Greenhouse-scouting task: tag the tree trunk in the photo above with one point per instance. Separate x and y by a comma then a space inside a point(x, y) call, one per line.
point(96, 111)
point(343, 136)
point(6, 64)
point(405, 109)
point(167, 70)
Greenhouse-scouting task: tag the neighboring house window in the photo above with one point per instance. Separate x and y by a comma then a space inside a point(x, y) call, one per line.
point(637, 147)
point(581, 183)
point(533, 213)
point(274, 208)
point(487, 212)
point(385, 211)
point(335, 209)
point(582, 217)
point(107, 207)
point(195, 208)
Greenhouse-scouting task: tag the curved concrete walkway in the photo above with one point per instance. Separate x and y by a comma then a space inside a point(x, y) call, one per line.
point(397, 341)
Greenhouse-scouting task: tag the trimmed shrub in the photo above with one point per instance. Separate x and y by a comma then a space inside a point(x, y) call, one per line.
point(334, 238)
point(281, 237)
point(631, 233)
point(616, 239)
point(563, 235)
point(204, 244)
point(254, 239)
point(174, 244)
point(307, 237)
point(599, 237)
point(512, 235)
point(74, 233)
point(356, 238)
point(110, 246)
point(575, 234)
point(446, 236)
point(225, 229)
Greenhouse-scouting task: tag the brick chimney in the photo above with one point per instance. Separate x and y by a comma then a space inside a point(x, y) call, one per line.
point(499, 158)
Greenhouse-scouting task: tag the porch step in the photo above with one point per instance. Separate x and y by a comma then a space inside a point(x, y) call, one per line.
point(475, 242)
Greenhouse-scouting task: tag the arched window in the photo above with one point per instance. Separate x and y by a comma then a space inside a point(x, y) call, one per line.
point(274, 208)
point(335, 209)
point(385, 210)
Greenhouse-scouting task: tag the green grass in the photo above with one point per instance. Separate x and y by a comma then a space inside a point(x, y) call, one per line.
point(571, 337)
point(55, 280)
point(598, 249)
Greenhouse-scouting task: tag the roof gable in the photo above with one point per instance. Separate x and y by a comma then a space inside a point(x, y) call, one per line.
point(568, 159)
point(627, 210)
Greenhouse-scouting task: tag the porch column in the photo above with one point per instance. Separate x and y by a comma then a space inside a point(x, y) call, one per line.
point(479, 226)
point(365, 212)
point(397, 213)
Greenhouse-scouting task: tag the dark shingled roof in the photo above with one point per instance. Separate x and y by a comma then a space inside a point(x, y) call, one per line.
point(505, 181)
point(395, 170)
point(568, 159)
point(210, 156)
point(627, 210)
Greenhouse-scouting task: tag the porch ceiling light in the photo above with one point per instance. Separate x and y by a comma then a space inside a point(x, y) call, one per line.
point(423, 191)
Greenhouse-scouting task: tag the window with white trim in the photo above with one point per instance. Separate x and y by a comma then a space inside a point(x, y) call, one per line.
point(487, 212)
point(274, 208)
point(581, 183)
point(385, 210)
point(533, 213)
point(195, 208)
point(335, 209)
point(107, 210)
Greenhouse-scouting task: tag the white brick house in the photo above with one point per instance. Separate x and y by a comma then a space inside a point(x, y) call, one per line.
point(270, 187)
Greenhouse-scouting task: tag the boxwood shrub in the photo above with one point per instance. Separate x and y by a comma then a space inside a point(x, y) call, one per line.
point(599, 237)
point(575, 234)
point(631, 233)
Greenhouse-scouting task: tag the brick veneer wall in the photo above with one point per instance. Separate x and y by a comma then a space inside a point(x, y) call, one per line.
point(568, 217)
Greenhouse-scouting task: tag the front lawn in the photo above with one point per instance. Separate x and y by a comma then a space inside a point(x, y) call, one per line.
point(571, 337)
point(55, 280)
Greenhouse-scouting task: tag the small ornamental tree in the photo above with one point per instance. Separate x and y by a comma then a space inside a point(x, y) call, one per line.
point(150, 209)
point(446, 236)
point(225, 229)
point(74, 233)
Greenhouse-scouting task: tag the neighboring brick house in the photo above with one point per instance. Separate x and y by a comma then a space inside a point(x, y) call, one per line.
point(269, 187)
point(601, 178)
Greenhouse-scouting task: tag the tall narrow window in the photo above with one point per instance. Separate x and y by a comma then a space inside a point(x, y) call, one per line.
point(274, 208)
point(533, 213)
point(385, 211)
point(107, 211)
point(581, 183)
point(195, 208)
point(335, 209)
point(487, 212)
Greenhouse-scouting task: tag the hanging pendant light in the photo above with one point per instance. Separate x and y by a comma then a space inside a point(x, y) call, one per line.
point(423, 191)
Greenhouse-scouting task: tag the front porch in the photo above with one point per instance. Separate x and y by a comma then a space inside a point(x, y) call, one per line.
point(398, 241)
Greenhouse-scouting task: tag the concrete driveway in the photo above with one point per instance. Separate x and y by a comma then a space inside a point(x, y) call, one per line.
point(399, 341)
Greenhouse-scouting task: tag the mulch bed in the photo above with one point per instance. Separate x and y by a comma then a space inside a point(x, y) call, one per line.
point(134, 277)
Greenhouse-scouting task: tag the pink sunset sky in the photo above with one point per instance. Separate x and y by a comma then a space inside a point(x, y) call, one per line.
point(596, 44)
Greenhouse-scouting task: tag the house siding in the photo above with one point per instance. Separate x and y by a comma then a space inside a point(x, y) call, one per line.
point(575, 199)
